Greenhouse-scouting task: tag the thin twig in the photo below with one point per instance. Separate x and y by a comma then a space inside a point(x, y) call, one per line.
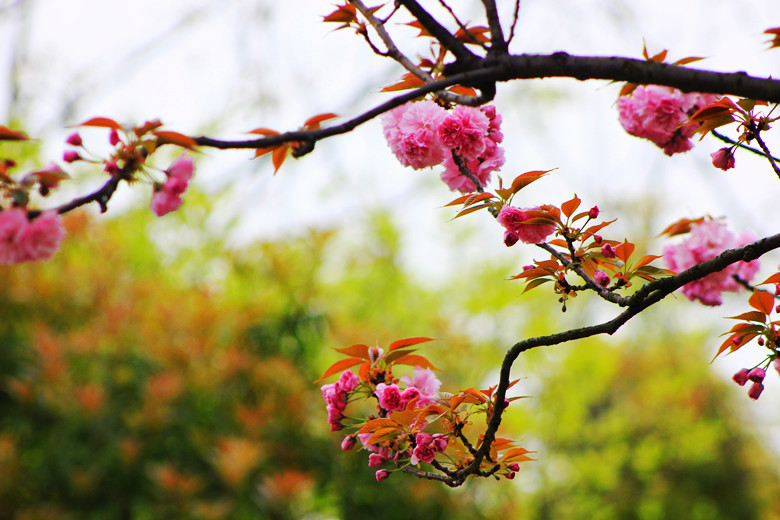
point(729, 140)
point(461, 25)
point(461, 164)
point(515, 17)
point(767, 153)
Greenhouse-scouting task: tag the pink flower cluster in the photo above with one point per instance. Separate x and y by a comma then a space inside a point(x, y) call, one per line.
point(423, 386)
point(427, 446)
point(168, 197)
point(656, 113)
point(756, 376)
point(335, 395)
point(22, 240)
point(706, 241)
point(514, 221)
point(423, 134)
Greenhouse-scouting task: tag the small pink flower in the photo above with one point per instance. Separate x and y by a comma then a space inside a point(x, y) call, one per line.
point(601, 278)
point(741, 377)
point(514, 466)
point(164, 202)
point(422, 438)
point(74, 139)
point(464, 129)
point(348, 381)
point(723, 159)
point(111, 168)
point(175, 186)
point(757, 375)
point(593, 212)
point(41, 238)
point(424, 454)
point(608, 251)
point(426, 382)
point(348, 443)
point(375, 460)
point(382, 474)
point(12, 221)
point(513, 219)
point(389, 397)
point(440, 442)
point(408, 396)
point(182, 168)
point(755, 391)
point(410, 131)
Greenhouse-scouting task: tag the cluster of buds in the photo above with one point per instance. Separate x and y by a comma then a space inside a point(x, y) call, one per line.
point(756, 376)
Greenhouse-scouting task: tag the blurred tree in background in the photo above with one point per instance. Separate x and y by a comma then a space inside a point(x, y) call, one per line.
point(141, 384)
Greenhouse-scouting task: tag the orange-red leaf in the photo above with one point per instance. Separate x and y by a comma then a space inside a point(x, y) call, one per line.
point(263, 131)
point(359, 350)
point(279, 155)
point(570, 206)
point(168, 137)
point(313, 123)
point(382, 434)
point(102, 122)
point(408, 342)
point(623, 251)
point(473, 199)
point(775, 42)
point(472, 209)
point(463, 91)
point(681, 226)
point(516, 455)
point(343, 14)
point(523, 180)
point(6, 134)
point(338, 366)
point(459, 200)
point(408, 81)
point(750, 316)
point(762, 302)
point(373, 424)
point(645, 260)
point(415, 360)
point(775, 278)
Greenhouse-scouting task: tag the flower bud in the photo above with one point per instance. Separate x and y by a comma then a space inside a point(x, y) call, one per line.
point(514, 466)
point(70, 156)
point(113, 137)
point(74, 139)
point(510, 475)
point(593, 212)
point(111, 168)
point(741, 377)
point(382, 474)
point(348, 443)
point(757, 375)
point(375, 460)
point(755, 391)
point(597, 239)
point(723, 159)
point(601, 278)
point(608, 251)
point(510, 238)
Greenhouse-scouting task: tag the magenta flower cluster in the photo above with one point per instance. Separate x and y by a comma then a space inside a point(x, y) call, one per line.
point(336, 395)
point(423, 134)
point(706, 241)
point(168, 197)
point(517, 229)
point(23, 240)
point(657, 113)
point(756, 376)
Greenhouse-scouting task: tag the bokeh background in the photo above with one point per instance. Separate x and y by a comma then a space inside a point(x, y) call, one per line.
point(164, 368)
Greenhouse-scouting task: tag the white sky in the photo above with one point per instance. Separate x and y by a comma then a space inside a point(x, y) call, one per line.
point(240, 65)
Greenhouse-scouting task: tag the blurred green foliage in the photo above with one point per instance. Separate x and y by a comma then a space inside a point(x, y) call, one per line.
point(143, 384)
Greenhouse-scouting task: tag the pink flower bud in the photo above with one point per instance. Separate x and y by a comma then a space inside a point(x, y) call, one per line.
point(111, 168)
point(597, 239)
point(601, 278)
point(70, 156)
point(375, 460)
point(348, 443)
point(723, 159)
point(741, 377)
point(757, 375)
point(755, 391)
point(74, 139)
point(510, 238)
point(423, 438)
point(593, 212)
point(113, 137)
point(514, 466)
point(382, 474)
point(608, 251)
point(510, 475)
point(182, 168)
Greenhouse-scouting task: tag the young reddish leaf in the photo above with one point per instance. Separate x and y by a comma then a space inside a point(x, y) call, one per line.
point(473, 35)
point(523, 180)
point(404, 417)
point(592, 230)
point(102, 122)
point(415, 360)
point(168, 137)
point(263, 131)
point(397, 354)
point(418, 25)
point(568, 207)
point(744, 328)
point(743, 338)
point(279, 155)
point(627, 89)
point(473, 199)
point(338, 366)
point(681, 226)
point(503, 444)
point(536, 283)
point(408, 342)
point(775, 32)
point(343, 14)
point(713, 123)
point(750, 316)
point(762, 301)
point(687, 61)
point(6, 134)
point(749, 104)
point(456, 400)
point(358, 350)
point(624, 250)
point(721, 108)
point(408, 81)
point(516, 455)
point(472, 209)
point(374, 424)
point(775, 278)
point(459, 200)
point(313, 123)
point(383, 434)
point(463, 91)
point(364, 370)
point(645, 260)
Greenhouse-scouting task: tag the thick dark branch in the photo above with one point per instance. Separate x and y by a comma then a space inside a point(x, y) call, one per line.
point(645, 297)
point(438, 31)
point(498, 46)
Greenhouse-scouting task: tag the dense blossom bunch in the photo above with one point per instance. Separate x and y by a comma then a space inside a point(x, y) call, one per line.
point(707, 240)
point(167, 197)
point(336, 395)
point(423, 134)
point(657, 113)
point(22, 240)
point(517, 227)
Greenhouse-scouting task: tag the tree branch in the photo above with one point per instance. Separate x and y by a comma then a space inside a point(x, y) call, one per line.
point(498, 46)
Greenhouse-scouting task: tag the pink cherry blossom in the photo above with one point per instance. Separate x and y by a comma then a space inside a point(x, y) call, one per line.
point(389, 396)
point(706, 241)
point(375, 460)
point(12, 221)
point(424, 380)
point(481, 168)
point(164, 202)
point(465, 129)
point(601, 278)
point(723, 159)
point(42, 237)
point(423, 438)
point(424, 453)
point(656, 113)
point(411, 133)
point(182, 168)
point(440, 442)
point(348, 381)
point(348, 443)
point(408, 396)
point(513, 219)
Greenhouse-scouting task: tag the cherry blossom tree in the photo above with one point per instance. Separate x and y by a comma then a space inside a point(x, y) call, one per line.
point(440, 117)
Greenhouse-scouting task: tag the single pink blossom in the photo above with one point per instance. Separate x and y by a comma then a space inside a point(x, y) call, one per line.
point(465, 129)
point(513, 219)
point(41, 238)
point(601, 278)
point(182, 168)
point(755, 390)
point(706, 241)
point(375, 460)
point(411, 133)
point(408, 395)
point(348, 443)
point(382, 474)
point(741, 377)
point(12, 222)
point(424, 453)
point(723, 159)
point(348, 381)
point(757, 375)
point(424, 380)
point(423, 438)
point(440, 442)
point(389, 397)
point(164, 202)
point(74, 139)
point(608, 251)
